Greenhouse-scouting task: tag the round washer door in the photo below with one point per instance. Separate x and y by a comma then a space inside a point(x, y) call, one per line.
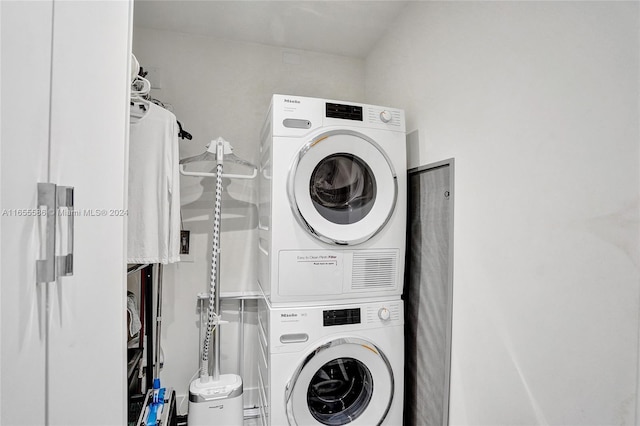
point(342, 187)
point(344, 381)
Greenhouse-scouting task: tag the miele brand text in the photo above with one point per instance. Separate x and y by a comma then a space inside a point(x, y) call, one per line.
point(288, 315)
point(292, 101)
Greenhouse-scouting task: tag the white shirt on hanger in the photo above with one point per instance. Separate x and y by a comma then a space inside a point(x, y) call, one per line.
point(154, 188)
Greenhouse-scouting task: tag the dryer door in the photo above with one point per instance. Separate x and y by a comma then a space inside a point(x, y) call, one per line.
point(345, 381)
point(342, 187)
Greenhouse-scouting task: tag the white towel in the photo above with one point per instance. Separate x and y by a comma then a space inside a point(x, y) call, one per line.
point(134, 316)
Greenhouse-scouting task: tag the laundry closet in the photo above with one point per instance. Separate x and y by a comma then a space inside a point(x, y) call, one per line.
point(220, 86)
point(521, 123)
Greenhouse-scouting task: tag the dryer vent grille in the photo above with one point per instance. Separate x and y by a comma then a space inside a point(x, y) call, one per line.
point(374, 270)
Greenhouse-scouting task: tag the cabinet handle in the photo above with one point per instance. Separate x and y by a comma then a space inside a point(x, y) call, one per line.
point(46, 268)
point(65, 262)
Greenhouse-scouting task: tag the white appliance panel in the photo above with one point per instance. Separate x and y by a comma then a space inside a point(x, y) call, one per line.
point(291, 221)
point(305, 345)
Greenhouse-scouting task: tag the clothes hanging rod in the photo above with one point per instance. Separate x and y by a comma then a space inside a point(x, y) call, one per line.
point(131, 269)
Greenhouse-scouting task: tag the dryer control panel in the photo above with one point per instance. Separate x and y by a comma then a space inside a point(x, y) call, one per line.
point(346, 112)
point(297, 116)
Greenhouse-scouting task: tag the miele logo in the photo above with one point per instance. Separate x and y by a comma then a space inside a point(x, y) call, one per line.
point(288, 315)
point(292, 101)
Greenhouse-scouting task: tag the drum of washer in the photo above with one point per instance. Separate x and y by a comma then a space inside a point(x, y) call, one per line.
point(345, 381)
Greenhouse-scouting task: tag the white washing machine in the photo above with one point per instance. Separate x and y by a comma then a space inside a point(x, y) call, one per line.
point(332, 210)
point(331, 365)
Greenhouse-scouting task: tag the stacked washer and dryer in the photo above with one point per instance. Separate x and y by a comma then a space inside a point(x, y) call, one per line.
point(332, 219)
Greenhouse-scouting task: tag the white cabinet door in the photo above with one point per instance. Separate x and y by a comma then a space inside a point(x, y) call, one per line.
point(24, 87)
point(87, 348)
point(64, 120)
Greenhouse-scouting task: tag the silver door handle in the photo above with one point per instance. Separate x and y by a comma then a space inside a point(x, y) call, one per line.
point(53, 198)
point(65, 200)
point(46, 268)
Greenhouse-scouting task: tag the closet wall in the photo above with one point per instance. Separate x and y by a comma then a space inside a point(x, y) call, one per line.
point(223, 88)
point(538, 103)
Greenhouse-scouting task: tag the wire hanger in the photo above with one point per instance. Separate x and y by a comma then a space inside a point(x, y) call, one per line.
point(218, 151)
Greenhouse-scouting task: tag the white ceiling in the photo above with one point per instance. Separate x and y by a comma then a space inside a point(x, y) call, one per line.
point(349, 28)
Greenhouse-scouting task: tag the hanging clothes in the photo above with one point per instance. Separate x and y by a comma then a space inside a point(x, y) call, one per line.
point(154, 188)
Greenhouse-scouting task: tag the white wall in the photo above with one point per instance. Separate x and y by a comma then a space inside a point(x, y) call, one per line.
point(538, 103)
point(223, 88)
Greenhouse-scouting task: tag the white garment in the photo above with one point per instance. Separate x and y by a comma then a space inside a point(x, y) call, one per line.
point(154, 188)
point(133, 314)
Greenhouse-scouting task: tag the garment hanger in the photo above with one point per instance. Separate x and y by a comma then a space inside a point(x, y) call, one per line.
point(139, 106)
point(183, 134)
point(140, 87)
point(218, 151)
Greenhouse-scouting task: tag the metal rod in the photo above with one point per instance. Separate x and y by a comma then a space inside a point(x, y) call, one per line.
point(148, 314)
point(156, 373)
point(202, 324)
point(216, 331)
point(241, 341)
point(136, 267)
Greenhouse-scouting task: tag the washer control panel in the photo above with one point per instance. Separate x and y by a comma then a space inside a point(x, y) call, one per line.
point(340, 317)
point(291, 328)
point(384, 313)
point(376, 313)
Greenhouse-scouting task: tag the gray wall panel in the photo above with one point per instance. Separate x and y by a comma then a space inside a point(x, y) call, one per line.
point(428, 295)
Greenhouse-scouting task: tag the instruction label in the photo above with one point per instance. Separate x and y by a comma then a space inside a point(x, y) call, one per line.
point(319, 260)
point(310, 273)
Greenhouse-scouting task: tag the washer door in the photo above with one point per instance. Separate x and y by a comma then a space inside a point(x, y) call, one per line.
point(342, 187)
point(344, 381)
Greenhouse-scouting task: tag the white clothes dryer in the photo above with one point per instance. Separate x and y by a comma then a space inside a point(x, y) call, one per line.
point(332, 211)
point(331, 365)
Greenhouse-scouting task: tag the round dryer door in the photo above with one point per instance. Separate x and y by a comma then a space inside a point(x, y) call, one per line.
point(344, 381)
point(342, 187)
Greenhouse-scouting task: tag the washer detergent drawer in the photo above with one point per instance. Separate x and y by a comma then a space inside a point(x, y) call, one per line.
point(313, 272)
